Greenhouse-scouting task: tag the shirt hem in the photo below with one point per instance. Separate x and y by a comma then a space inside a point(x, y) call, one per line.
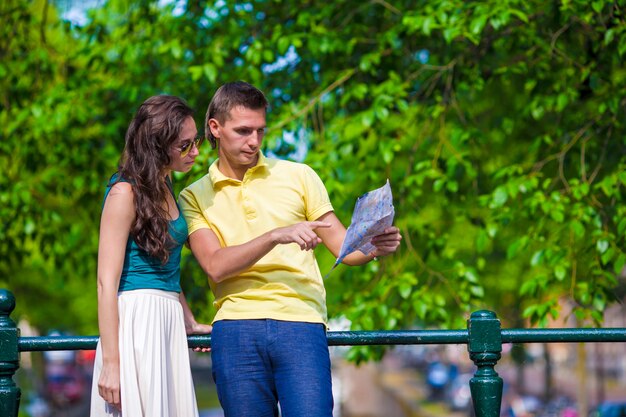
point(326, 208)
point(243, 316)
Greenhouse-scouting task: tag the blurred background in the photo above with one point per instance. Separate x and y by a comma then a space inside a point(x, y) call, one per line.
point(499, 123)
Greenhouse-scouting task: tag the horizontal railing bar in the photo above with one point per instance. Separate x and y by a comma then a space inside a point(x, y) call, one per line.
point(43, 343)
point(358, 338)
point(354, 338)
point(563, 335)
point(397, 337)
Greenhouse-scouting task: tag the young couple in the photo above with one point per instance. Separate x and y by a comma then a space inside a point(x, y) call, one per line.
point(251, 223)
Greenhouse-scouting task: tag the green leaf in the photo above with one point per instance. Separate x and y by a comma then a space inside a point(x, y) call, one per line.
point(602, 245)
point(585, 298)
point(196, 72)
point(427, 25)
point(482, 241)
point(210, 71)
point(577, 228)
point(520, 15)
point(561, 102)
point(500, 197)
point(599, 303)
point(607, 256)
point(391, 322)
point(528, 288)
point(597, 5)
point(560, 272)
point(529, 311)
point(471, 276)
point(477, 291)
point(405, 290)
point(283, 44)
point(421, 309)
point(516, 246)
point(438, 185)
point(608, 36)
point(452, 186)
point(478, 23)
point(537, 258)
point(557, 216)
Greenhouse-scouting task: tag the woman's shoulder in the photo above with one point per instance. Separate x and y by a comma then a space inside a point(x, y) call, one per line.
point(119, 202)
point(121, 187)
point(119, 184)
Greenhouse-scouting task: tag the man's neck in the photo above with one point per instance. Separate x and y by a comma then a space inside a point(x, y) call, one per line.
point(230, 171)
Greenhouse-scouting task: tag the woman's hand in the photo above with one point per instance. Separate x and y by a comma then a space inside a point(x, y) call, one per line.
point(199, 328)
point(109, 385)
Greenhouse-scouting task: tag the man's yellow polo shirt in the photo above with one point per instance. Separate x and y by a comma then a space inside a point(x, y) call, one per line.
point(285, 284)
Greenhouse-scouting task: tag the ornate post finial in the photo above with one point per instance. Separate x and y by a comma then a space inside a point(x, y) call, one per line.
point(9, 357)
point(485, 345)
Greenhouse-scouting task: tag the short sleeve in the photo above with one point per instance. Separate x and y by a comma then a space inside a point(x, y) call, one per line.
point(316, 197)
point(192, 212)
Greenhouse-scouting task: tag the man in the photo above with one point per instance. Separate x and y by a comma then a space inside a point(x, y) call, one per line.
point(253, 222)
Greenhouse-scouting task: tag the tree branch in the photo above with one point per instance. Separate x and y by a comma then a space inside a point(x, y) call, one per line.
point(539, 165)
point(387, 6)
point(431, 272)
point(604, 146)
point(316, 99)
point(44, 22)
point(583, 173)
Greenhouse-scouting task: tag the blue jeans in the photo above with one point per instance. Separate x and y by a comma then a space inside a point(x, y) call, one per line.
point(259, 363)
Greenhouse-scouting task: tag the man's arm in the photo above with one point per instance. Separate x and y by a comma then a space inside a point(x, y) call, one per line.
point(221, 263)
point(333, 236)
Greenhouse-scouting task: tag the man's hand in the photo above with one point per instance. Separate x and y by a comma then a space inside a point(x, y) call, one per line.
point(221, 263)
point(387, 242)
point(302, 234)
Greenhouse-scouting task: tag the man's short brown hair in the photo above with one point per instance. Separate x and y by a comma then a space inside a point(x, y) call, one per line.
point(229, 96)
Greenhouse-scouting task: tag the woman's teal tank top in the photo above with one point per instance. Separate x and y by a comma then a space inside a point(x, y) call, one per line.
point(142, 271)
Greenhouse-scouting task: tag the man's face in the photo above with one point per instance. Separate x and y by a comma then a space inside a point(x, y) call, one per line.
point(240, 137)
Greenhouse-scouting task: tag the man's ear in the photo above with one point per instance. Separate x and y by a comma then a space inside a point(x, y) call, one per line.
point(214, 125)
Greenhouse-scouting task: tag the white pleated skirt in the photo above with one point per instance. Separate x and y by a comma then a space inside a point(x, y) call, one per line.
point(155, 376)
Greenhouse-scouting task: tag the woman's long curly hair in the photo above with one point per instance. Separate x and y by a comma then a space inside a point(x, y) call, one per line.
point(149, 138)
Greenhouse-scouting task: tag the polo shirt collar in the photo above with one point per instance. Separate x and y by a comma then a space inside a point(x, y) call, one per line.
point(216, 175)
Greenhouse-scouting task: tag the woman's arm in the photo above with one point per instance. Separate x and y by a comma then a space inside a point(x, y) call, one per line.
point(117, 217)
point(191, 325)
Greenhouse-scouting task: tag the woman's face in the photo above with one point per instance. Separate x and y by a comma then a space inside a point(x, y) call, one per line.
point(184, 150)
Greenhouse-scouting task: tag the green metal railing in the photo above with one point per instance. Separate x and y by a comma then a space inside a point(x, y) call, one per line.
point(483, 337)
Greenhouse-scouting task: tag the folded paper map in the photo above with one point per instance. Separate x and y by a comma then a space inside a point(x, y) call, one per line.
point(373, 213)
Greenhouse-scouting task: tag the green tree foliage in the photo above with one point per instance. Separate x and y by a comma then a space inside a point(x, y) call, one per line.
point(499, 124)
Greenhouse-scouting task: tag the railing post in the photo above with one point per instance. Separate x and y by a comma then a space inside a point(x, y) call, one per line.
point(9, 357)
point(485, 345)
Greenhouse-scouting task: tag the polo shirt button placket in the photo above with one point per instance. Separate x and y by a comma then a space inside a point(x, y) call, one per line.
point(249, 209)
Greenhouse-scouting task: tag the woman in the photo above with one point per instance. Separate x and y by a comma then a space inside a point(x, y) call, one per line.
point(142, 360)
